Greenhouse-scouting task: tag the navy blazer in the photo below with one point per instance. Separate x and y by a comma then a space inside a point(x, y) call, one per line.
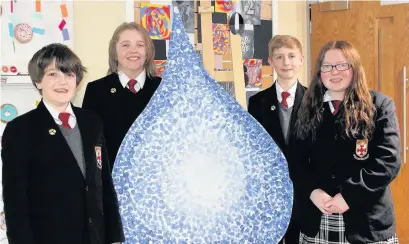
point(46, 198)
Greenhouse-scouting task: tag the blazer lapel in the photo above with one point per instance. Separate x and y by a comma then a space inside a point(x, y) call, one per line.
point(87, 131)
point(272, 109)
point(58, 148)
point(299, 94)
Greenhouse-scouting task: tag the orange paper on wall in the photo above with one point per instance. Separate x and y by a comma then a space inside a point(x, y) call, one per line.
point(64, 12)
point(38, 5)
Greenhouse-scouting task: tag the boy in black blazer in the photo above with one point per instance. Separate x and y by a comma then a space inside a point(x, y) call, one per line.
point(57, 185)
point(276, 107)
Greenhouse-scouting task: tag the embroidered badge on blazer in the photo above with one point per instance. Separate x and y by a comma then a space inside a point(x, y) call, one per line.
point(361, 150)
point(98, 156)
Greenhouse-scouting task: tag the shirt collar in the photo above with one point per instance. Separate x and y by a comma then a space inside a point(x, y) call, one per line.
point(292, 91)
point(124, 79)
point(328, 98)
point(55, 114)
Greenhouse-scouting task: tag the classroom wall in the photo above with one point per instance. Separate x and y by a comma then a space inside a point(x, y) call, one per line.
point(94, 23)
point(292, 20)
point(102, 17)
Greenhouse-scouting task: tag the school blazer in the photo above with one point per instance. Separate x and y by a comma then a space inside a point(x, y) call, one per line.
point(360, 169)
point(46, 198)
point(264, 107)
point(117, 107)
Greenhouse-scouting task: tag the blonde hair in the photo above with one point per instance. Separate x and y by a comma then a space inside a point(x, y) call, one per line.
point(150, 48)
point(280, 41)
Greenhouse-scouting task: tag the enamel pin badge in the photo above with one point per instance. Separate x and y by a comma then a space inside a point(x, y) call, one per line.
point(98, 156)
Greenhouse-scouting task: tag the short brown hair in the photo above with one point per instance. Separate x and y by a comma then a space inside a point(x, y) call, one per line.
point(150, 48)
point(279, 41)
point(65, 60)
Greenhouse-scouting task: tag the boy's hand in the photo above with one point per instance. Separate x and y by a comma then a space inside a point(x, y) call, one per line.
point(337, 204)
point(320, 198)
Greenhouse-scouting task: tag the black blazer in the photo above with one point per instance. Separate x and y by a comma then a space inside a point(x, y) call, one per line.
point(46, 198)
point(360, 171)
point(260, 107)
point(117, 107)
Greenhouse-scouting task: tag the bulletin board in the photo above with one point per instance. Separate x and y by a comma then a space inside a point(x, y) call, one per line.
point(26, 27)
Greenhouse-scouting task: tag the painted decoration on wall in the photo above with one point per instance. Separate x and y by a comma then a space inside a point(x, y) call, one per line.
point(247, 44)
point(23, 33)
point(156, 20)
point(195, 167)
point(250, 10)
point(224, 6)
point(187, 12)
point(8, 112)
point(253, 73)
point(159, 67)
point(221, 35)
point(26, 27)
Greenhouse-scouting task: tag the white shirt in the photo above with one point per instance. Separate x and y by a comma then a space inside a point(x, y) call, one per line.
point(291, 98)
point(124, 79)
point(328, 98)
point(72, 121)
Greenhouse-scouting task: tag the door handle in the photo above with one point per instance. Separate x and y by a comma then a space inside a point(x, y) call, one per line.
point(405, 145)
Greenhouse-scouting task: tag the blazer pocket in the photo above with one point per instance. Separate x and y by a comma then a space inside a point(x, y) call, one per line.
point(381, 219)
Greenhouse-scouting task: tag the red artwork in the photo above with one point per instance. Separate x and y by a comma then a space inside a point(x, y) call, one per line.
point(156, 20)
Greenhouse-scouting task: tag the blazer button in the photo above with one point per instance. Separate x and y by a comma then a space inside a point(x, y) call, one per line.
point(86, 188)
point(90, 220)
point(333, 176)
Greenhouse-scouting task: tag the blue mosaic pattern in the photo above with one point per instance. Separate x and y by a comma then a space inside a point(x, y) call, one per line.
point(195, 167)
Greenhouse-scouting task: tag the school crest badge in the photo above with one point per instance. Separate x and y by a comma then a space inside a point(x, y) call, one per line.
point(361, 150)
point(98, 156)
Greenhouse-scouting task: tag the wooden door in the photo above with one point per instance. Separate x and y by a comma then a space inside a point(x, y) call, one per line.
point(381, 35)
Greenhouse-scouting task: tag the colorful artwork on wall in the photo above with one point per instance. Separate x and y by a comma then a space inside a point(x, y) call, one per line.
point(27, 26)
point(224, 6)
point(156, 20)
point(220, 39)
point(253, 72)
point(159, 67)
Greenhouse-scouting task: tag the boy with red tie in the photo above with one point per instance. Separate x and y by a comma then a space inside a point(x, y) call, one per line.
point(276, 107)
point(57, 185)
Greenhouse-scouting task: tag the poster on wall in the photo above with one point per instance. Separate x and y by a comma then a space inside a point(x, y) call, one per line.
point(26, 27)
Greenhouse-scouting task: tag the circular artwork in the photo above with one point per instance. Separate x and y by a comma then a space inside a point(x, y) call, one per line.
point(23, 33)
point(8, 112)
